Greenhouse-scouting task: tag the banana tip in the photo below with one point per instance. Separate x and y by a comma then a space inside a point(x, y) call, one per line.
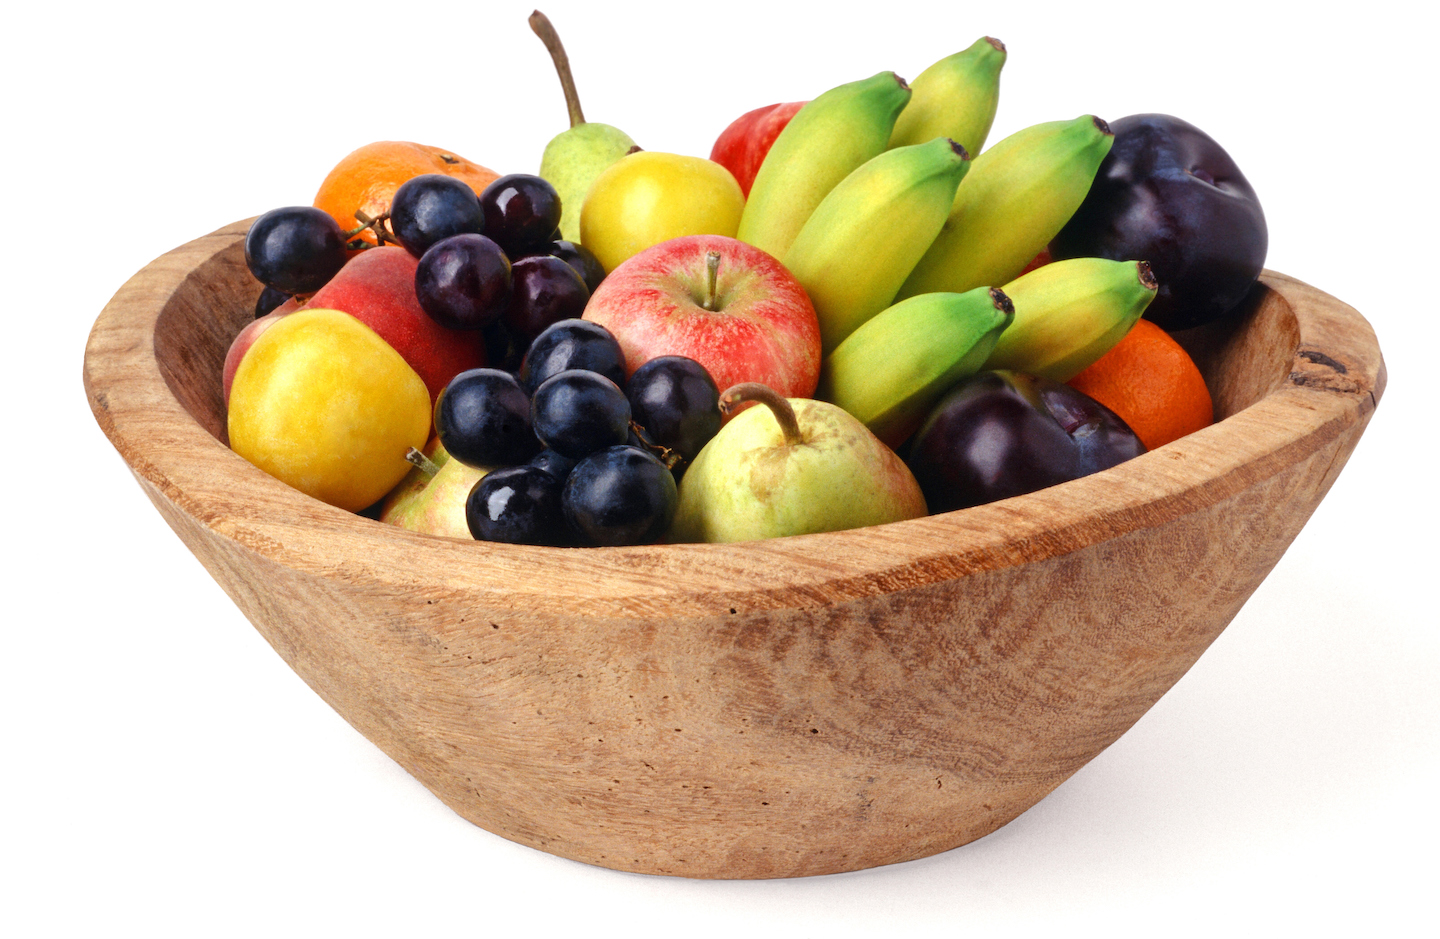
point(999, 46)
point(1103, 127)
point(959, 149)
point(1147, 276)
point(1003, 303)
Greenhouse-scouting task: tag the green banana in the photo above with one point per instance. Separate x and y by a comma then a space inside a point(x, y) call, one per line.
point(892, 369)
point(1017, 197)
point(1069, 313)
point(822, 144)
point(861, 241)
point(956, 98)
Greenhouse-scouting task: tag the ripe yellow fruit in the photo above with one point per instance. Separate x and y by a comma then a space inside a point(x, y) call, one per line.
point(322, 403)
point(646, 198)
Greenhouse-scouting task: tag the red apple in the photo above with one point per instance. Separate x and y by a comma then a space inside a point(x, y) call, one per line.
point(751, 321)
point(377, 287)
point(742, 146)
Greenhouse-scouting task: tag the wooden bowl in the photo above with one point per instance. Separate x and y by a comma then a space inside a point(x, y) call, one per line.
point(797, 706)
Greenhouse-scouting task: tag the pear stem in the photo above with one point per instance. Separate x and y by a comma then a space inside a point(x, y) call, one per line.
point(712, 271)
point(736, 395)
point(540, 24)
point(426, 465)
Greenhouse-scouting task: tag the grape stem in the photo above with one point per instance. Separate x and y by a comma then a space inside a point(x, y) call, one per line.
point(664, 454)
point(415, 457)
point(737, 395)
point(376, 224)
point(540, 24)
point(712, 271)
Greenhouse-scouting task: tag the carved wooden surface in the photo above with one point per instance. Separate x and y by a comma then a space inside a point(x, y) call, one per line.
point(783, 708)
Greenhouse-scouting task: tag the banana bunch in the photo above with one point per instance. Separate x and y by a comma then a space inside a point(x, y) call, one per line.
point(1016, 198)
point(860, 243)
point(823, 143)
point(1069, 313)
point(894, 367)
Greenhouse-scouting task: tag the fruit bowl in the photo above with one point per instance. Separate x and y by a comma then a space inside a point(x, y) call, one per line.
point(798, 706)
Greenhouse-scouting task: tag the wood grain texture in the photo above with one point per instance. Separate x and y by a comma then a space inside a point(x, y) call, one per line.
point(798, 706)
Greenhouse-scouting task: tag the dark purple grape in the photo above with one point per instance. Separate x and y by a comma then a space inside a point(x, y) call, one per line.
point(578, 257)
point(521, 212)
point(545, 290)
point(676, 401)
point(1002, 434)
point(555, 464)
point(1168, 194)
point(517, 505)
point(570, 344)
point(503, 350)
point(483, 419)
point(463, 282)
point(295, 249)
point(433, 206)
point(577, 412)
point(619, 496)
point(269, 299)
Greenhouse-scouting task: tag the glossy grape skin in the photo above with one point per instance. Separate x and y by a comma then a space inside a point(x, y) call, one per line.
point(517, 505)
point(269, 299)
point(570, 344)
point(676, 401)
point(463, 282)
point(1003, 434)
point(483, 419)
point(521, 212)
point(578, 412)
point(431, 207)
point(296, 249)
point(544, 291)
point(578, 257)
point(619, 496)
point(556, 464)
point(1167, 193)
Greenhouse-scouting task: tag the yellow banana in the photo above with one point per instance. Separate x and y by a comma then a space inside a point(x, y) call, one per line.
point(1069, 313)
point(892, 369)
point(822, 144)
point(956, 98)
point(861, 242)
point(1017, 196)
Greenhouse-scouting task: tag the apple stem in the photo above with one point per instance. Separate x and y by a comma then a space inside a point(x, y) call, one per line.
point(540, 24)
point(426, 465)
point(739, 394)
point(712, 271)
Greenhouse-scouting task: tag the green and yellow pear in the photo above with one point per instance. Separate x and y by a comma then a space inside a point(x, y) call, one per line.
point(791, 466)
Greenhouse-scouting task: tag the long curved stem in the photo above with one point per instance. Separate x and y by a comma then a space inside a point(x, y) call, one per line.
point(540, 24)
point(736, 395)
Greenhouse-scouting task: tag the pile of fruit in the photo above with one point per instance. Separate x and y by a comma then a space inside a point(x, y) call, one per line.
point(852, 313)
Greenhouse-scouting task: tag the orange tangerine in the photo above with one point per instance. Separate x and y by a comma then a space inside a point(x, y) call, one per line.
point(366, 180)
point(1152, 383)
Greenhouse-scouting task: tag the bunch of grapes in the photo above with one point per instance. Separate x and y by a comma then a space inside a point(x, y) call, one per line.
point(584, 457)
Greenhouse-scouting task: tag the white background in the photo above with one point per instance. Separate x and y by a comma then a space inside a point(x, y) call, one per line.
point(164, 772)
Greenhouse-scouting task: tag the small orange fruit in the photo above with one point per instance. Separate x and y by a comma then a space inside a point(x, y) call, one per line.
point(366, 180)
point(1152, 383)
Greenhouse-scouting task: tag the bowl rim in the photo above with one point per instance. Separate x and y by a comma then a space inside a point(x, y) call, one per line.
point(1336, 378)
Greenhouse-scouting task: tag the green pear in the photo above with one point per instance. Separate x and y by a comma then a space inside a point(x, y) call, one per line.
point(431, 499)
point(791, 467)
point(574, 158)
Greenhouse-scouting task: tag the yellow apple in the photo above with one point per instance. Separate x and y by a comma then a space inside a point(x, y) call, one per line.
point(322, 403)
point(646, 198)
